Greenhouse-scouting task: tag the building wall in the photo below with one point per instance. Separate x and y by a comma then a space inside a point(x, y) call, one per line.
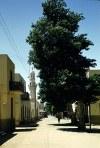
point(6, 68)
point(13, 110)
point(25, 111)
point(17, 110)
point(18, 102)
point(0, 111)
point(95, 112)
point(23, 104)
point(95, 107)
point(19, 78)
point(38, 108)
point(92, 72)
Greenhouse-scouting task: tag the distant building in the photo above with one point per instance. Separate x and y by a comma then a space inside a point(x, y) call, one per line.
point(22, 103)
point(95, 107)
point(25, 108)
point(93, 71)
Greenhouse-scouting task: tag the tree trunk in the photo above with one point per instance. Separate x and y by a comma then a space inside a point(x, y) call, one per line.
point(73, 119)
point(90, 116)
point(81, 122)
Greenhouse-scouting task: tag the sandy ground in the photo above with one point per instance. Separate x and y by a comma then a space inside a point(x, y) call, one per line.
point(48, 134)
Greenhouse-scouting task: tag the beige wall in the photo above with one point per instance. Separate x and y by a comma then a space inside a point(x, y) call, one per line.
point(95, 107)
point(18, 101)
point(6, 66)
point(17, 110)
point(10, 101)
point(95, 112)
point(19, 78)
point(92, 72)
point(26, 111)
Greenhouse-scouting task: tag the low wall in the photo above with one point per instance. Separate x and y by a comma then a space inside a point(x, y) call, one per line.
point(95, 119)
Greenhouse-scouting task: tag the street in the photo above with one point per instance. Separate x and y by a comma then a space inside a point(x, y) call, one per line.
point(48, 134)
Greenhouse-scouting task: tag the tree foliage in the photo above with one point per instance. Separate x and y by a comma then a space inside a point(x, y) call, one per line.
point(57, 49)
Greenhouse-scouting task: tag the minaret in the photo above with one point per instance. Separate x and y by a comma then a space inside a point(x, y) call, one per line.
point(32, 89)
point(32, 86)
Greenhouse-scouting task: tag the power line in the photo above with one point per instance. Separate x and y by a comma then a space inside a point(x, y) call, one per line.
point(11, 40)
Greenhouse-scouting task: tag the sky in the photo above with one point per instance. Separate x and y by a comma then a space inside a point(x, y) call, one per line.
point(17, 16)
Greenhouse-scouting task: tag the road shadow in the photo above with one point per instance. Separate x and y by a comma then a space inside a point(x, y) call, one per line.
point(75, 129)
point(24, 129)
point(94, 130)
point(7, 137)
point(64, 124)
point(69, 127)
point(29, 125)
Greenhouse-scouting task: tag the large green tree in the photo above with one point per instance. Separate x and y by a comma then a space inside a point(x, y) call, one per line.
point(57, 52)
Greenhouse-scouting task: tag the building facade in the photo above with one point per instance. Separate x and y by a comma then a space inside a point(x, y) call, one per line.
point(95, 107)
point(16, 106)
point(8, 90)
point(25, 108)
point(22, 103)
point(12, 92)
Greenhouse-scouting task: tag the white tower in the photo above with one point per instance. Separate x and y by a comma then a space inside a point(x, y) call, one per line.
point(32, 86)
point(32, 89)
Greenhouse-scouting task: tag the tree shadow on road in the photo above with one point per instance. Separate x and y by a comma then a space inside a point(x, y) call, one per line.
point(75, 129)
point(64, 124)
point(7, 137)
point(94, 130)
point(69, 127)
